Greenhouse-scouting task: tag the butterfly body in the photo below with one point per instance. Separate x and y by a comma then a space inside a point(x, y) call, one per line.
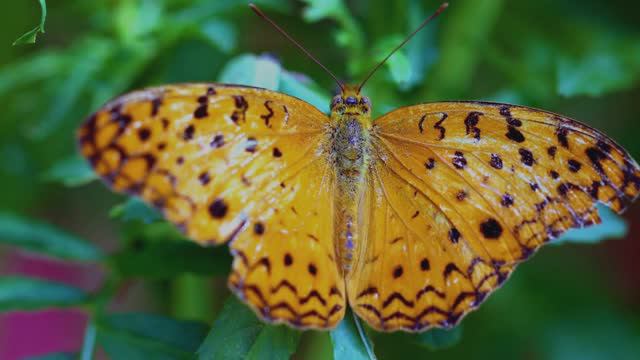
point(349, 136)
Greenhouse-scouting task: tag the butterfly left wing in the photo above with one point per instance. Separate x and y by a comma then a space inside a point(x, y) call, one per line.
point(233, 164)
point(461, 192)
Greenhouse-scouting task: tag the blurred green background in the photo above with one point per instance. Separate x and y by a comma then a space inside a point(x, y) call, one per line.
point(580, 59)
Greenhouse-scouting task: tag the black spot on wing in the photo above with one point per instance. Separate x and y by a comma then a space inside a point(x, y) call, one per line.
point(514, 134)
point(496, 161)
point(526, 157)
point(188, 132)
point(218, 208)
point(574, 165)
point(491, 229)
point(471, 122)
point(438, 126)
point(397, 271)
point(459, 160)
point(562, 135)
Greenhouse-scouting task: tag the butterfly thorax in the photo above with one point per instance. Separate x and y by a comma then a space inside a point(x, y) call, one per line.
point(350, 154)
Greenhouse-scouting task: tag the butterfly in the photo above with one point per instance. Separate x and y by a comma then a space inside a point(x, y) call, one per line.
point(411, 219)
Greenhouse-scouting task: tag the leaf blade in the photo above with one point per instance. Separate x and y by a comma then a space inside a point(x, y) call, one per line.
point(43, 238)
point(30, 36)
point(143, 336)
point(22, 293)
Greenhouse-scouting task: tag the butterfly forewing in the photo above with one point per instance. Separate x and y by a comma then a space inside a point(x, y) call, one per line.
point(461, 192)
point(233, 163)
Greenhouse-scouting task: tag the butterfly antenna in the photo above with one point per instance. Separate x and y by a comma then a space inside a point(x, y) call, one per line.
point(265, 17)
point(425, 22)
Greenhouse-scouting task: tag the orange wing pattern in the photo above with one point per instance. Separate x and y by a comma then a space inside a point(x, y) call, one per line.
point(230, 163)
point(461, 192)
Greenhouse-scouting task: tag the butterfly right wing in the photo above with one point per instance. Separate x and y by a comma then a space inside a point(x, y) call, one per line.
point(462, 192)
point(230, 163)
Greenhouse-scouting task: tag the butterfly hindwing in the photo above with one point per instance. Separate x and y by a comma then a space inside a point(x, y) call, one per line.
point(461, 192)
point(233, 163)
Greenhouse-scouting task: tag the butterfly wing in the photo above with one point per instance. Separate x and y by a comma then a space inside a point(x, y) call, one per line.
point(230, 163)
point(461, 192)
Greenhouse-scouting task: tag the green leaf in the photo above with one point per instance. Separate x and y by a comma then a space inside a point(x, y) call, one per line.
point(251, 70)
point(54, 356)
point(347, 342)
point(30, 37)
point(607, 65)
point(135, 19)
point(398, 64)
point(134, 209)
point(220, 34)
point(437, 339)
point(144, 336)
point(612, 227)
point(237, 333)
point(71, 172)
point(166, 259)
point(89, 341)
point(20, 293)
point(42, 238)
point(321, 9)
point(275, 342)
point(304, 88)
point(232, 334)
point(39, 66)
point(461, 48)
point(89, 58)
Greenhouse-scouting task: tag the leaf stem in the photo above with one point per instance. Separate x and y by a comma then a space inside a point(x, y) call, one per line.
point(89, 341)
point(364, 337)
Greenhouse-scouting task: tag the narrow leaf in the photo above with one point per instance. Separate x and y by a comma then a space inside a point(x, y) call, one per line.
point(71, 172)
point(145, 336)
point(54, 356)
point(46, 239)
point(20, 293)
point(135, 209)
point(30, 37)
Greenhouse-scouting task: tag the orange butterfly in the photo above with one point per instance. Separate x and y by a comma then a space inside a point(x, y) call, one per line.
point(413, 219)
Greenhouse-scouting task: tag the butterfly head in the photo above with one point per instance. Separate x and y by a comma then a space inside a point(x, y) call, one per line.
point(350, 101)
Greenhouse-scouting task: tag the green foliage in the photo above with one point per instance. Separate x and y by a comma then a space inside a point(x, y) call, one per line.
point(20, 293)
point(71, 172)
point(30, 37)
point(43, 238)
point(54, 356)
point(437, 339)
point(143, 336)
point(238, 334)
point(179, 256)
point(546, 54)
point(347, 341)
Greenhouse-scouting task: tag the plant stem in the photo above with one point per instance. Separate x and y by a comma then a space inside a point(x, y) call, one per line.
point(89, 341)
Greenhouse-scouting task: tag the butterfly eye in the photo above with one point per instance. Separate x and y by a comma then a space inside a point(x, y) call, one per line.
point(364, 100)
point(336, 101)
point(350, 100)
